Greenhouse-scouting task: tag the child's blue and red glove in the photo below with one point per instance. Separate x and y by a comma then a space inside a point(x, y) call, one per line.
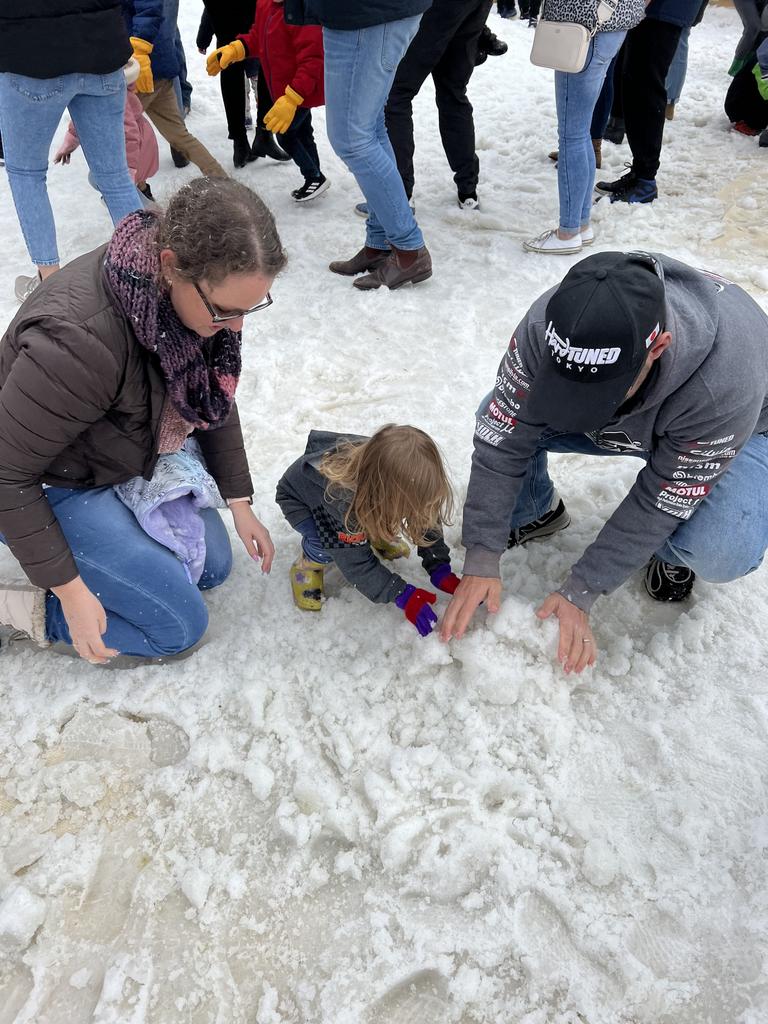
point(444, 579)
point(415, 603)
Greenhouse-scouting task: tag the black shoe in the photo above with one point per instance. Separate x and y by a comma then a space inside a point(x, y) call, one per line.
point(551, 522)
point(264, 145)
point(179, 160)
point(622, 184)
point(241, 153)
point(311, 189)
point(762, 142)
point(147, 192)
point(533, 21)
point(491, 44)
point(614, 130)
point(665, 582)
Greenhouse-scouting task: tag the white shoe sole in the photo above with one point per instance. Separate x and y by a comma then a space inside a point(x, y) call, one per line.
point(543, 250)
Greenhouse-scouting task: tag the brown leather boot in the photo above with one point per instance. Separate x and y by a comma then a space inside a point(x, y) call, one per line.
point(402, 266)
point(597, 145)
point(366, 259)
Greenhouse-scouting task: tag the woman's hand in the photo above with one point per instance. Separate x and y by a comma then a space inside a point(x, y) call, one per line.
point(253, 534)
point(87, 621)
point(576, 649)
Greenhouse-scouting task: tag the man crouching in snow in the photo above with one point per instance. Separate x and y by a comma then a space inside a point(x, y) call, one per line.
point(632, 354)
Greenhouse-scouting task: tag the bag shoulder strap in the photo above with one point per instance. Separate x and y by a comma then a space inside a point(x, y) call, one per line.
point(605, 11)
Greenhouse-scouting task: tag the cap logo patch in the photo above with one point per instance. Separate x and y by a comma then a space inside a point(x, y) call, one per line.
point(653, 336)
point(563, 351)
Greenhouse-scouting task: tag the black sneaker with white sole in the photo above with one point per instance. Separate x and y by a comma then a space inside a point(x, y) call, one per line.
point(552, 522)
point(620, 185)
point(311, 189)
point(665, 582)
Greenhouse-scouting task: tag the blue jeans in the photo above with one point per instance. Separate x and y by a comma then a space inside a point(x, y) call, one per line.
point(575, 98)
point(724, 539)
point(30, 112)
point(152, 608)
point(311, 544)
point(360, 67)
point(678, 68)
point(299, 143)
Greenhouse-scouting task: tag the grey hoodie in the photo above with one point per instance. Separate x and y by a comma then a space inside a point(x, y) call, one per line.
point(704, 401)
point(301, 494)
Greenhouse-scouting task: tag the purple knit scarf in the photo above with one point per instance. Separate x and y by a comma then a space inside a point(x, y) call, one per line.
point(201, 374)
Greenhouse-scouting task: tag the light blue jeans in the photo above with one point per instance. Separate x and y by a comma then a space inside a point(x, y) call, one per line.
point(30, 112)
point(575, 98)
point(360, 67)
point(724, 539)
point(678, 68)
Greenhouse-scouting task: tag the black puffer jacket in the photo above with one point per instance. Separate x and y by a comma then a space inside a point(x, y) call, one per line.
point(80, 406)
point(48, 38)
point(351, 14)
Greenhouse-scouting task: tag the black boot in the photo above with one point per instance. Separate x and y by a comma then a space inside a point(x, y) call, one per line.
point(241, 152)
point(264, 145)
point(665, 582)
point(179, 160)
point(614, 130)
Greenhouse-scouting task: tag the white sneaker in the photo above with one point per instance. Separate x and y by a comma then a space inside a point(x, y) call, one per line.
point(470, 203)
point(587, 235)
point(548, 243)
point(24, 286)
point(22, 607)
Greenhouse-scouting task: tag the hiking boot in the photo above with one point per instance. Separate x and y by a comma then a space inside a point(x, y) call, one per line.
point(609, 188)
point(402, 266)
point(552, 522)
point(643, 190)
point(307, 584)
point(311, 189)
point(614, 130)
point(22, 608)
point(264, 144)
point(361, 209)
point(366, 260)
point(666, 582)
point(389, 552)
point(24, 286)
point(179, 160)
point(241, 152)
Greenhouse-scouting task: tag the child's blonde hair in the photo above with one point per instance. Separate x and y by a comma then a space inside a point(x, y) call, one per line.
point(398, 484)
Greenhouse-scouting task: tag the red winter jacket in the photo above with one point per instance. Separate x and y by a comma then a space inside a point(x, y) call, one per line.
point(289, 54)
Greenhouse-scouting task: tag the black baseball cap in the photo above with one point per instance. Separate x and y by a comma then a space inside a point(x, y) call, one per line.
point(602, 319)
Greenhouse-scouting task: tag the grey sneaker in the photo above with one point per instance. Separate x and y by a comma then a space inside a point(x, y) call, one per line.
point(22, 608)
point(24, 286)
point(552, 522)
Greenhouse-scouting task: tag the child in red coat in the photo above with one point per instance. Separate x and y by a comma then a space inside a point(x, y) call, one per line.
point(292, 62)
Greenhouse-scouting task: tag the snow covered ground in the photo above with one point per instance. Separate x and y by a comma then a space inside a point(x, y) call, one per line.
point(328, 820)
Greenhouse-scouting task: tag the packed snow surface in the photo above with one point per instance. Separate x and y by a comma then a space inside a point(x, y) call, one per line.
point(327, 819)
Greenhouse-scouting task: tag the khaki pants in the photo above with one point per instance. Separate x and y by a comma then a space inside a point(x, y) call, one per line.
point(162, 109)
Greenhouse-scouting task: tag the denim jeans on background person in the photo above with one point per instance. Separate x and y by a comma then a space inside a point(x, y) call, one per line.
point(152, 608)
point(144, 200)
point(725, 538)
point(311, 544)
point(678, 68)
point(575, 97)
point(30, 112)
point(299, 143)
point(360, 67)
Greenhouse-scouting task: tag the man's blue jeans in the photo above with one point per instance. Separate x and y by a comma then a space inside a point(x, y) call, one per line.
point(360, 67)
point(575, 98)
point(152, 608)
point(724, 539)
point(30, 112)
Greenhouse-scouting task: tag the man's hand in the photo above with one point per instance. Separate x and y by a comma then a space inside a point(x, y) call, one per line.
point(576, 650)
point(471, 592)
point(253, 534)
point(87, 621)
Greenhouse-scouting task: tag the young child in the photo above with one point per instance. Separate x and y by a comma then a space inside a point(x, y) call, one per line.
point(140, 141)
point(292, 62)
point(351, 497)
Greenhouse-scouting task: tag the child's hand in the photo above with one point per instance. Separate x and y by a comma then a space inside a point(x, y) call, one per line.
point(444, 579)
point(416, 605)
point(253, 534)
point(62, 157)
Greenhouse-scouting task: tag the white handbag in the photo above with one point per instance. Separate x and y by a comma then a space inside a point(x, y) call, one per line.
point(564, 45)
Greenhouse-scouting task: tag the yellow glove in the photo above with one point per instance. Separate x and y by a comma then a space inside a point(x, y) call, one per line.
point(141, 51)
point(223, 56)
point(279, 118)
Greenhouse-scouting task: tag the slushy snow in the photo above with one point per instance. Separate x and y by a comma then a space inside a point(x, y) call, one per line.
point(324, 819)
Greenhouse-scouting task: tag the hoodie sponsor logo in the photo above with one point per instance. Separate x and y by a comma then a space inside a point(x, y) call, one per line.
point(582, 358)
point(615, 441)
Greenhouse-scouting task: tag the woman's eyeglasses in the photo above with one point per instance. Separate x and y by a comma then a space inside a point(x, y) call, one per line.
point(221, 318)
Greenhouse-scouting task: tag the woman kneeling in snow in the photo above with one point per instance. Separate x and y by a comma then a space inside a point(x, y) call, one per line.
point(107, 367)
